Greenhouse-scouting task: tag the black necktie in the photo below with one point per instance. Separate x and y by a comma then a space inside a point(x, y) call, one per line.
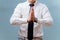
point(30, 27)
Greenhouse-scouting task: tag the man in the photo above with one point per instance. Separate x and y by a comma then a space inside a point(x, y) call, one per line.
point(22, 15)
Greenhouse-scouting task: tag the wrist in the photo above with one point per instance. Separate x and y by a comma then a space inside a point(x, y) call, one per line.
point(36, 20)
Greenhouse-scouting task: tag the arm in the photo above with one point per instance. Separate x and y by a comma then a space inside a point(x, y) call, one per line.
point(46, 17)
point(16, 18)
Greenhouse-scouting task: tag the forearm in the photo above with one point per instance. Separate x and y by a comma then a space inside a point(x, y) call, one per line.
point(45, 22)
point(18, 21)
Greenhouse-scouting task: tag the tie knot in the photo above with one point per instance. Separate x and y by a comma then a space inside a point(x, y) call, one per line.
point(31, 5)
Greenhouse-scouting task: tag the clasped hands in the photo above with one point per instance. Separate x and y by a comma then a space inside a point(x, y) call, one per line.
point(31, 16)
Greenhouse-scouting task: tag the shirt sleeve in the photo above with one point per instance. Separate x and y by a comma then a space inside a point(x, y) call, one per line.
point(45, 17)
point(16, 18)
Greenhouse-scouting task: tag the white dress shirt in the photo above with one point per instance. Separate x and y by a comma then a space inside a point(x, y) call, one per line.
point(21, 14)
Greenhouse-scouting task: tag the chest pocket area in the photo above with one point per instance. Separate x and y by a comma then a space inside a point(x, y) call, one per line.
point(38, 13)
point(25, 12)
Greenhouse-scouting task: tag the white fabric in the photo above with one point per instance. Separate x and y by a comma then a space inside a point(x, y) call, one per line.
point(21, 14)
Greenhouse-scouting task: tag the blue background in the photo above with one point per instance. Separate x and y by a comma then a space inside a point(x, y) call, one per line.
point(9, 32)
